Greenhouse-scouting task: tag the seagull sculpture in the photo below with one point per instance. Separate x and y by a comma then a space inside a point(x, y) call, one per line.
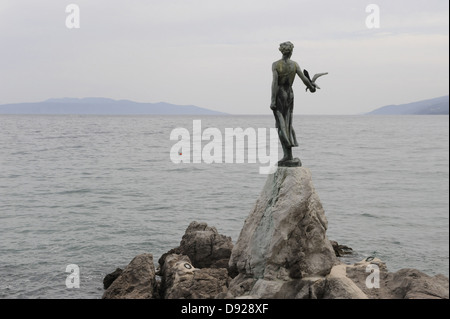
point(315, 77)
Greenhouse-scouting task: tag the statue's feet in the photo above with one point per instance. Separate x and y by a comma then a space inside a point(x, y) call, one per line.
point(284, 159)
point(289, 162)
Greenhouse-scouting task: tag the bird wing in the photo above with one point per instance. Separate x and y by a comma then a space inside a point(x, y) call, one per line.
point(316, 76)
point(306, 74)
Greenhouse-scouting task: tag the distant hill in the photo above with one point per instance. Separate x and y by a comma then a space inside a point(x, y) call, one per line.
point(436, 106)
point(102, 106)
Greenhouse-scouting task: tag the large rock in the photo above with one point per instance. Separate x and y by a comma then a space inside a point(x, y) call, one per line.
point(284, 237)
point(204, 246)
point(109, 278)
point(346, 282)
point(406, 283)
point(137, 280)
point(181, 280)
point(410, 283)
point(338, 286)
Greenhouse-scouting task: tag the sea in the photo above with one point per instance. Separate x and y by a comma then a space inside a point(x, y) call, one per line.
point(91, 192)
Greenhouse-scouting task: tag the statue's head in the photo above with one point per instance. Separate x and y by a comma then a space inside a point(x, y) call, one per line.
point(286, 48)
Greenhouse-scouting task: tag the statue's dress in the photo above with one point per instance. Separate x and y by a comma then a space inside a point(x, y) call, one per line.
point(285, 104)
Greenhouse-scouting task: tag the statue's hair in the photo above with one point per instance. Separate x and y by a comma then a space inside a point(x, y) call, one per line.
point(286, 47)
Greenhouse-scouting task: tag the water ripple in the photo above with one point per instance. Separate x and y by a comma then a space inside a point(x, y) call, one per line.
point(96, 191)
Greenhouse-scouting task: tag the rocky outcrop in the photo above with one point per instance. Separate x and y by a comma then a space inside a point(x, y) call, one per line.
point(368, 279)
point(137, 280)
point(338, 286)
point(284, 237)
point(406, 283)
point(204, 246)
point(282, 252)
point(109, 278)
point(197, 269)
point(181, 280)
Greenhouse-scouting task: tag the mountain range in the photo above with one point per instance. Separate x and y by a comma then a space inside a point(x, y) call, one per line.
point(98, 105)
point(436, 106)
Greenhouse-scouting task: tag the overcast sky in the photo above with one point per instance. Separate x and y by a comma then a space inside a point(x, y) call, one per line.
point(218, 54)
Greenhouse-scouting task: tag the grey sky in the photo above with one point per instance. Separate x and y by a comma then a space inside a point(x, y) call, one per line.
point(218, 54)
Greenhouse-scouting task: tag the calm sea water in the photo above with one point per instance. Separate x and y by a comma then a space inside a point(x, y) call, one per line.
point(97, 190)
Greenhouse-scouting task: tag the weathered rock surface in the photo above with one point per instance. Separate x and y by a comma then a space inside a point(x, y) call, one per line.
point(181, 280)
point(357, 282)
point(338, 286)
point(284, 237)
point(406, 283)
point(109, 278)
point(346, 282)
point(137, 280)
point(204, 246)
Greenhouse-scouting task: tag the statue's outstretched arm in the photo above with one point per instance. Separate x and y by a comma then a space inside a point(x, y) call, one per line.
point(309, 85)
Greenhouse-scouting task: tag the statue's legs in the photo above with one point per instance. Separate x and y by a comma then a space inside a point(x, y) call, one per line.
point(287, 150)
point(288, 160)
point(286, 134)
point(284, 139)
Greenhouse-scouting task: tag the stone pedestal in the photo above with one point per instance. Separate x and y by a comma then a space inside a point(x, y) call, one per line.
point(284, 237)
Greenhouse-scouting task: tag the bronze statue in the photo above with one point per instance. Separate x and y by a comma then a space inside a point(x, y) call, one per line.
point(284, 71)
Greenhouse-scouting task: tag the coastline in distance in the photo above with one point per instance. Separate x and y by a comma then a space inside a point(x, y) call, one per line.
point(435, 106)
point(99, 106)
